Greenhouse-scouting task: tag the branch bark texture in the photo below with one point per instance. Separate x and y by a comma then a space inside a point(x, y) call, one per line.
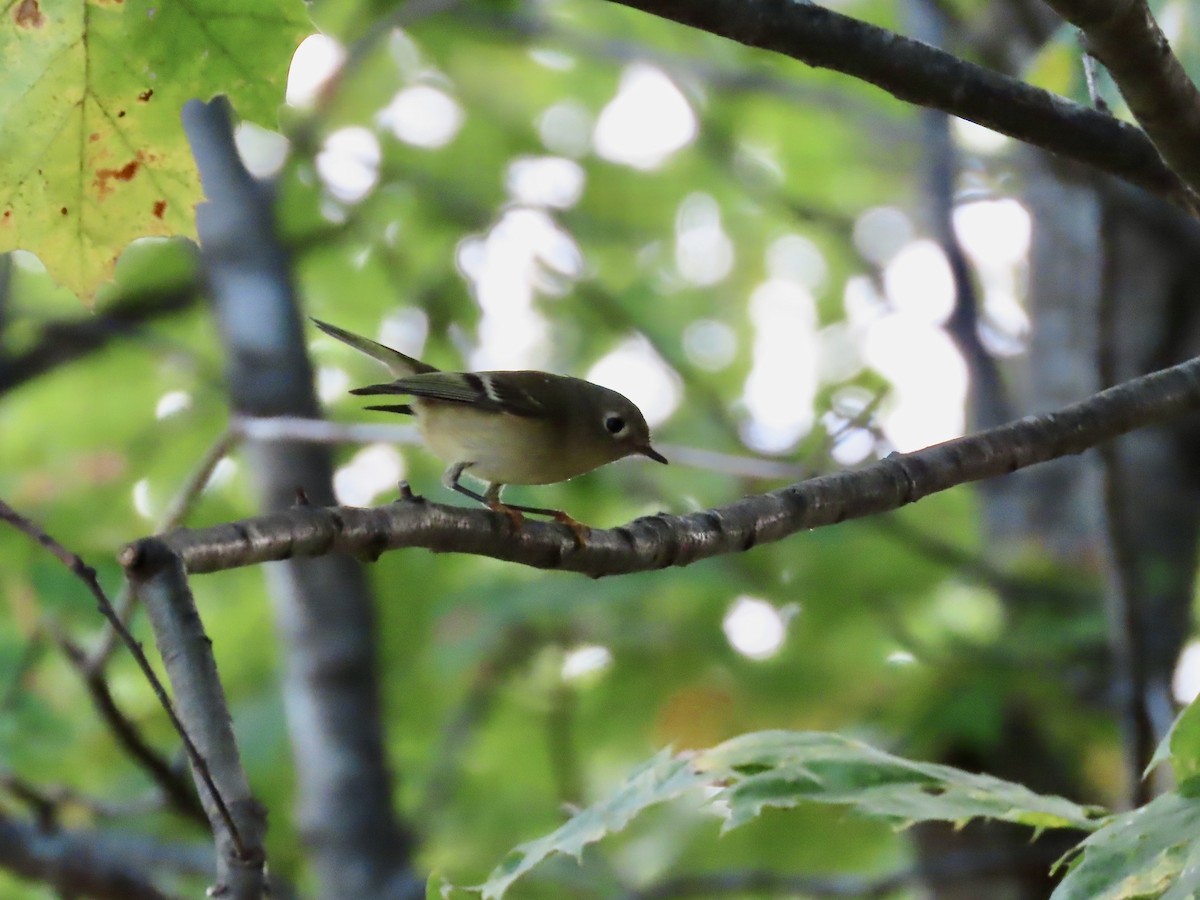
point(917, 73)
point(656, 542)
point(1123, 35)
point(238, 821)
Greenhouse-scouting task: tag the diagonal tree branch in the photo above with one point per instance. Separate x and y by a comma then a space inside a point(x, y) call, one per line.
point(917, 73)
point(150, 577)
point(237, 819)
point(660, 541)
point(175, 789)
point(63, 342)
point(1123, 35)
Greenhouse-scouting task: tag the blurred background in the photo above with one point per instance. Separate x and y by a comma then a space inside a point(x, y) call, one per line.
point(790, 273)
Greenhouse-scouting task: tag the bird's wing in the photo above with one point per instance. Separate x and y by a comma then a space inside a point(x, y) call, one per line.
point(479, 390)
point(398, 363)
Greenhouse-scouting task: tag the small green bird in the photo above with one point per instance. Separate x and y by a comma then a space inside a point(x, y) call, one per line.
point(503, 428)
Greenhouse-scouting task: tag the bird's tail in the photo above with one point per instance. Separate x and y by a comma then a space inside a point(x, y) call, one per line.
point(397, 363)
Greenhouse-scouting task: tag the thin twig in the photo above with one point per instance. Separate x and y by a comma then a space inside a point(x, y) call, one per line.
point(175, 789)
point(85, 573)
point(181, 504)
point(321, 431)
point(1089, 76)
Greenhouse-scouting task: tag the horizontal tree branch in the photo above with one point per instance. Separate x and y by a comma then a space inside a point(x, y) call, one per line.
point(662, 540)
point(926, 76)
point(98, 864)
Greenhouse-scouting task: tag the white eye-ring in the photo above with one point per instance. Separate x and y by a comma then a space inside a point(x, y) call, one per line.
point(614, 424)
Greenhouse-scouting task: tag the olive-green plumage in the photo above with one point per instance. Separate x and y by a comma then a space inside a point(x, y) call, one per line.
point(521, 427)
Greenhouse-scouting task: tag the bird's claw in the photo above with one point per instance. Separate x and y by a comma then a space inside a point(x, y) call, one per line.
point(578, 529)
point(514, 516)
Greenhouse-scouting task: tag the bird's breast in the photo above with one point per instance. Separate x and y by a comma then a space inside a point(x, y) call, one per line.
point(501, 448)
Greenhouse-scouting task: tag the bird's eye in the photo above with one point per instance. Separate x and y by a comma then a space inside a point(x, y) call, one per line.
point(614, 424)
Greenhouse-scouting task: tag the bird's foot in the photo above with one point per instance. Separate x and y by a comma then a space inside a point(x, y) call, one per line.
point(514, 516)
point(578, 529)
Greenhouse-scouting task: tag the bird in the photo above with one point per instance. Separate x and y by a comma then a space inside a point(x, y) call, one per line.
point(508, 427)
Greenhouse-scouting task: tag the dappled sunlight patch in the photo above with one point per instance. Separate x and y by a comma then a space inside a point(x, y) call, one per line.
point(1185, 684)
point(371, 471)
point(566, 128)
point(928, 379)
point(647, 122)
point(918, 282)
point(756, 628)
point(634, 369)
point(586, 660)
point(314, 64)
point(703, 251)
point(422, 116)
point(880, 233)
point(172, 403)
point(550, 181)
point(349, 163)
point(709, 344)
point(780, 389)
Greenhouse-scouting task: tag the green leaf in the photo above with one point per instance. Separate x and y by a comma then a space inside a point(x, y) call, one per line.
point(1182, 747)
point(661, 778)
point(1140, 853)
point(784, 768)
point(93, 152)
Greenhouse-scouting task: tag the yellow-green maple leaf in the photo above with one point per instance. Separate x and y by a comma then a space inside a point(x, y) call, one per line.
point(92, 154)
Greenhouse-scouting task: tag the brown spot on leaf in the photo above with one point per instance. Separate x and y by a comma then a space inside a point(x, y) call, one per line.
point(6, 219)
point(160, 207)
point(144, 96)
point(120, 113)
point(28, 14)
point(63, 211)
point(105, 177)
point(94, 136)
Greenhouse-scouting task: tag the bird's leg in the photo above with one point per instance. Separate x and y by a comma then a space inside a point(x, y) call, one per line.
point(491, 499)
point(577, 528)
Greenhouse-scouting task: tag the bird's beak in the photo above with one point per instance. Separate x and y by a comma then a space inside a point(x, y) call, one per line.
point(653, 454)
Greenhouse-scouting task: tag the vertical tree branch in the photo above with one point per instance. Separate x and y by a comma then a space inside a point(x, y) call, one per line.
point(323, 608)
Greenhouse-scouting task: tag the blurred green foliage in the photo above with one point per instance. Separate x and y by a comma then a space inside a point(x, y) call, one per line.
point(888, 642)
